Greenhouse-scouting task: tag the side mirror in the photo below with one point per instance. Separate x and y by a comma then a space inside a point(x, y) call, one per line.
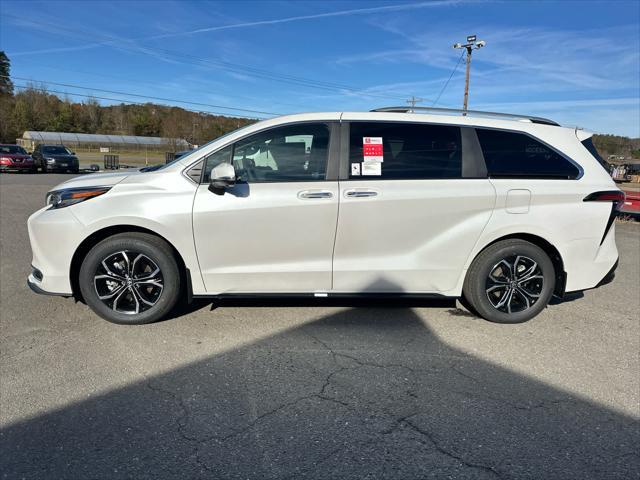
point(222, 177)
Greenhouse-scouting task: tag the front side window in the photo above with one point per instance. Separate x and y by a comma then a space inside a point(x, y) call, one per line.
point(215, 159)
point(294, 153)
point(404, 151)
point(512, 154)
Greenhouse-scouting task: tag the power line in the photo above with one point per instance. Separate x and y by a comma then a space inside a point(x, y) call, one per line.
point(73, 94)
point(141, 96)
point(233, 67)
point(444, 87)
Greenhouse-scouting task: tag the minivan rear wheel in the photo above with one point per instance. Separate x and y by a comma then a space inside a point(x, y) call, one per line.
point(130, 278)
point(510, 281)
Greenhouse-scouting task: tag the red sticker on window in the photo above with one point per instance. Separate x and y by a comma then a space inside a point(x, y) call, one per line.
point(372, 149)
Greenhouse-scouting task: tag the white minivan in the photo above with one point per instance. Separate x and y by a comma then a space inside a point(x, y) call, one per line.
point(501, 211)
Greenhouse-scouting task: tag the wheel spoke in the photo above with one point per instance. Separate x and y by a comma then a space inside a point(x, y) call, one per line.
point(528, 272)
point(135, 298)
point(112, 293)
point(109, 271)
point(141, 297)
point(528, 293)
point(127, 262)
point(117, 299)
point(525, 297)
point(496, 287)
point(149, 276)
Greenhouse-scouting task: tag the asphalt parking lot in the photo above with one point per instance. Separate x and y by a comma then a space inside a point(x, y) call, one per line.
point(314, 390)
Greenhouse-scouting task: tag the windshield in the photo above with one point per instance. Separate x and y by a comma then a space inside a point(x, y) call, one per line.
point(155, 168)
point(57, 150)
point(12, 149)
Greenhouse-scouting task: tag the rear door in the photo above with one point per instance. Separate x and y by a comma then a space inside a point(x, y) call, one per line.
point(274, 231)
point(414, 199)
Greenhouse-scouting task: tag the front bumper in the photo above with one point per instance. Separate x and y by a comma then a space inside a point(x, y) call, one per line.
point(54, 236)
point(17, 166)
point(62, 165)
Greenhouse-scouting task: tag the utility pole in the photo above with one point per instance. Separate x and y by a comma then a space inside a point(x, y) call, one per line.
point(413, 100)
point(470, 46)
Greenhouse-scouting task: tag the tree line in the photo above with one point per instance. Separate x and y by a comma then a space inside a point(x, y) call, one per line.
point(34, 108)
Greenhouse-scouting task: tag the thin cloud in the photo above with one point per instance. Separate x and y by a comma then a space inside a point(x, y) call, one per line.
point(315, 16)
point(340, 13)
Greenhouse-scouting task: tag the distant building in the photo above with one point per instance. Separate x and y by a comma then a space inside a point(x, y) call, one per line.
point(30, 139)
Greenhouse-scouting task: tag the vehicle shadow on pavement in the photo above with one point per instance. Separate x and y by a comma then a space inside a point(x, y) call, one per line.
point(365, 392)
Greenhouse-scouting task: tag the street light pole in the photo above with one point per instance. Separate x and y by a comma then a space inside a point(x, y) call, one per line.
point(470, 46)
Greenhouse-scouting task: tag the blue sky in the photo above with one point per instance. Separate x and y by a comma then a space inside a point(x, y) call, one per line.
point(575, 62)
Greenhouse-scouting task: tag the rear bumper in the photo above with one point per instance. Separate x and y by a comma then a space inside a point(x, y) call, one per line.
point(608, 278)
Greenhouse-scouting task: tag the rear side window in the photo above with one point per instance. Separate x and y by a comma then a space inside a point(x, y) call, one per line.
point(404, 151)
point(511, 154)
point(588, 144)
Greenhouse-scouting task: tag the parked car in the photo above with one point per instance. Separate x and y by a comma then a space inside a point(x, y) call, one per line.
point(501, 211)
point(14, 157)
point(631, 205)
point(55, 158)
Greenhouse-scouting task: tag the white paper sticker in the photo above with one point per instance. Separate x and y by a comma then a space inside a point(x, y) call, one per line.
point(355, 169)
point(372, 140)
point(372, 168)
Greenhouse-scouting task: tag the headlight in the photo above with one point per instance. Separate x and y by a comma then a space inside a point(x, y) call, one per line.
point(71, 196)
point(50, 160)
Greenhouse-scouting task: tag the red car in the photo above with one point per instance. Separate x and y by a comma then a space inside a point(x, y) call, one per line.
point(631, 205)
point(14, 157)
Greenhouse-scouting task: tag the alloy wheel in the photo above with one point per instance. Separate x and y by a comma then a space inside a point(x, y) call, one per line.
point(128, 282)
point(514, 284)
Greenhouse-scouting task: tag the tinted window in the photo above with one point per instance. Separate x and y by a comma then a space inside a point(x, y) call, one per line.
point(588, 144)
point(283, 154)
point(56, 150)
point(511, 154)
point(404, 151)
point(15, 149)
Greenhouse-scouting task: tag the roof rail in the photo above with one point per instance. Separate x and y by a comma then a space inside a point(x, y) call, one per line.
point(474, 113)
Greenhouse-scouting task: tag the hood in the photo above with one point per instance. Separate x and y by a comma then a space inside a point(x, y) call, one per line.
point(96, 180)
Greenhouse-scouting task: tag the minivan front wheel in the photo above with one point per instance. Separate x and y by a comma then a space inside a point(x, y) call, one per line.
point(511, 281)
point(130, 278)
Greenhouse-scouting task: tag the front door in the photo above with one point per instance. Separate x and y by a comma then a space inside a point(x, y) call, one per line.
point(274, 231)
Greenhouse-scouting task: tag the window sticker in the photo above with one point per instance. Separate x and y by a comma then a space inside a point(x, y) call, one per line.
point(372, 168)
point(355, 169)
point(372, 149)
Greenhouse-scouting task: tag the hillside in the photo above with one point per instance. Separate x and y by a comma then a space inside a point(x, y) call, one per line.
point(619, 146)
point(36, 109)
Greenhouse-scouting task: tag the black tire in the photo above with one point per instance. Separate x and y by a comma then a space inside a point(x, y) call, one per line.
point(153, 253)
point(44, 168)
point(510, 281)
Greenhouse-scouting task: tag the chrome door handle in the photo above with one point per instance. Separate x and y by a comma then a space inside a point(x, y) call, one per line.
point(308, 194)
point(360, 193)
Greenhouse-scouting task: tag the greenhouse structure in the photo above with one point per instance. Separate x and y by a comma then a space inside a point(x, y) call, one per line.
point(90, 141)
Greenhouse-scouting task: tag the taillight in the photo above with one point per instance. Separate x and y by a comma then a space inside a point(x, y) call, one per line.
point(615, 196)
